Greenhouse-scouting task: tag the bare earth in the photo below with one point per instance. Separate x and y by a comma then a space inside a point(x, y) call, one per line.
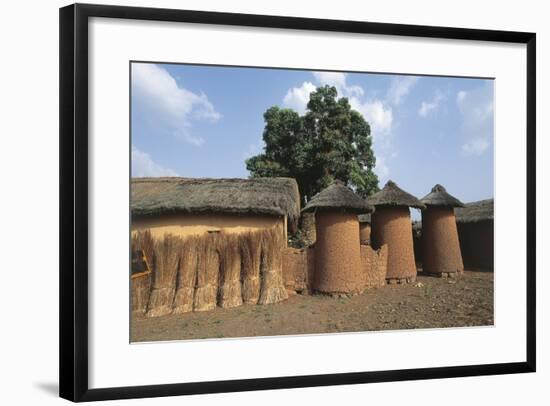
point(429, 303)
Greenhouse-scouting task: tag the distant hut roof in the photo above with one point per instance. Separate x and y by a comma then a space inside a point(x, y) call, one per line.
point(440, 198)
point(272, 196)
point(475, 211)
point(338, 196)
point(392, 195)
point(364, 218)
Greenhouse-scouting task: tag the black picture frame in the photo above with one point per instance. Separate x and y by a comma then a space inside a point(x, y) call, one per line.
point(73, 281)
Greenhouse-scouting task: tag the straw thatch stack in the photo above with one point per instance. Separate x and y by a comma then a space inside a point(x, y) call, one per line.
point(164, 277)
point(271, 267)
point(208, 269)
point(251, 248)
point(229, 294)
point(143, 241)
point(187, 275)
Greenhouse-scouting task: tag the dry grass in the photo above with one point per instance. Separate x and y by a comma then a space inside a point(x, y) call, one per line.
point(206, 289)
point(250, 244)
point(229, 294)
point(271, 268)
point(187, 275)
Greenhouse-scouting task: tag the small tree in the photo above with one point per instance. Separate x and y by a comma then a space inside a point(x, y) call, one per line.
point(331, 141)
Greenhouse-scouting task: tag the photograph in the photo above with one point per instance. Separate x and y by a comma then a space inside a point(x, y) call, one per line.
point(270, 201)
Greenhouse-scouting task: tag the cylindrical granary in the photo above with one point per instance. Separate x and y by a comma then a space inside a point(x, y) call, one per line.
point(441, 248)
point(441, 254)
point(337, 247)
point(392, 225)
point(337, 253)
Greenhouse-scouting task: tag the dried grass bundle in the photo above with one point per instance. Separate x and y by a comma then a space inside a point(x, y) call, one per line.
point(250, 246)
point(187, 275)
point(229, 294)
point(208, 267)
point(271, 267)
point(164, 277)
point(143, 241)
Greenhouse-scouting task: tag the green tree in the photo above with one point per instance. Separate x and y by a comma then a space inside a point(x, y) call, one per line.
point(330, 141)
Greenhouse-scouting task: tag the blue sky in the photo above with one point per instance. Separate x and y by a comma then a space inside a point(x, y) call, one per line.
point(204, 121)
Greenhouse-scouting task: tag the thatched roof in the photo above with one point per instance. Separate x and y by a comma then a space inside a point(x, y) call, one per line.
point(392, 195)
point(272, 196)
point(364, 218)
point(338, 196)
point(475, 212)
point(440, 198)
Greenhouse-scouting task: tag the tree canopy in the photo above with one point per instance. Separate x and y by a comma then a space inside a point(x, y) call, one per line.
point(330, 141)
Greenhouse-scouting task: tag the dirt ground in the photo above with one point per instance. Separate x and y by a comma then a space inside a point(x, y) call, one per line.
point(429, 303)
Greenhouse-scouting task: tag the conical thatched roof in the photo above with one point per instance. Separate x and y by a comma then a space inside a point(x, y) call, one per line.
point(475, 212)
point(392, 195)
point(272, 196)
point(440, 198)
point(338, 196)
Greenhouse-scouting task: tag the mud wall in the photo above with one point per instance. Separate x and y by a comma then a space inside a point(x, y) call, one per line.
point(307, 227)
point(186, 224)
point(392, 226)
point(477, 244)
point(337, 253)
point(298, 268)
point(374, 265)
point(364, 233)
point(440, 246)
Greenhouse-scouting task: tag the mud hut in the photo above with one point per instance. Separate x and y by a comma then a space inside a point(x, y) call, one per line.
point(197, 265)
point(391, 224)
point(364, 228)
point(441, 254)
point(337, 248)
point(475, 223)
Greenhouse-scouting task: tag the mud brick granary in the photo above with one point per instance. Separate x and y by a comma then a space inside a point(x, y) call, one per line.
point(337, 249)
point(441, 254)
point(364, 228)
point(391, 224)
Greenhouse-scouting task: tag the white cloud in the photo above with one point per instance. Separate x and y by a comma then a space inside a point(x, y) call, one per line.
point(381, 169)
point(428, 107)
point(253, 149)
point(143, 165)
point(339, 81)
point(297, 97)
point(164, 106)
point(378, 115)
point(400, 87)
point(476, 111)
point(475, 147)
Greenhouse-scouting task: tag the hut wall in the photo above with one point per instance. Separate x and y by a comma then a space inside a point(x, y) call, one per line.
point(440, 245)
point(364, 233)
point(186, 224)
point(298, 268)
point(477, 244)
point(392, 226)
point(374, 264)
point(337, 253)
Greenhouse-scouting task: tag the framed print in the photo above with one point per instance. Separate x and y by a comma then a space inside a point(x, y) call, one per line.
point(256, 202)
